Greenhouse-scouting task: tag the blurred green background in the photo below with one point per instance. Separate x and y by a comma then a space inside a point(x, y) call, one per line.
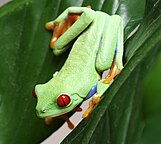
point(151, 92)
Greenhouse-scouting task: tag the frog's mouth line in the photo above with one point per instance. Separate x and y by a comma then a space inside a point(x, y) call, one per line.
point(51, 115)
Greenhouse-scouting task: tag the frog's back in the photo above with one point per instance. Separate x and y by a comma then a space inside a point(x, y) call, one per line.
point(84, 51)
point(80, 64)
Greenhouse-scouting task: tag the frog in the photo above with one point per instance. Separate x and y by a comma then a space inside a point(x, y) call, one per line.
point(97, 47)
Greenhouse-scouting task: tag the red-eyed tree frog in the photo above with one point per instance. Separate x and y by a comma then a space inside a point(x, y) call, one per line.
point(98, 47)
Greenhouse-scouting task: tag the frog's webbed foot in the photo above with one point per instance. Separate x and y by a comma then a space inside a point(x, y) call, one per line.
point(60, 28)
point(95, 100)
point(112, 73)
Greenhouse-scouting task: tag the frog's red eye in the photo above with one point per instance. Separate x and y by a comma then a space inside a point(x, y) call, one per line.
point(63, 100)
point(34, 93)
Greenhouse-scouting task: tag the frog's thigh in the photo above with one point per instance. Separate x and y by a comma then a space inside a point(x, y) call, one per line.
point(108, 44)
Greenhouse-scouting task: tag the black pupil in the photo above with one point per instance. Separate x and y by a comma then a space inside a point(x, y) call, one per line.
point(63, 101)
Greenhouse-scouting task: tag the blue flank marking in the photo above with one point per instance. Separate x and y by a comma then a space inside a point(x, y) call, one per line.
point(92, 92)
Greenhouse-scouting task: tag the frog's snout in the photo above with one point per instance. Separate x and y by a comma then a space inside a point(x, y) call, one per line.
point(40, 111)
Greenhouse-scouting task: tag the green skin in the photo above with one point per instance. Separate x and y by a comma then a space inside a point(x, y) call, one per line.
point(92, 53)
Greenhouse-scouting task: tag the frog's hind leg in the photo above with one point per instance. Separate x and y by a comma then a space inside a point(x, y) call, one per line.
point(109, 57)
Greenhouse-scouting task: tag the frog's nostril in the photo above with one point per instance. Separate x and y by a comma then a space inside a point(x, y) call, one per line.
point(43, 110)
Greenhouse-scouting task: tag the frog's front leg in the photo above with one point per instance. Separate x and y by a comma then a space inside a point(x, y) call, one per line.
point(69, 25)
point(60, 28)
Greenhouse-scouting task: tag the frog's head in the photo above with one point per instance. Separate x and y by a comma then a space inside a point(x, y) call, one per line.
point(54, 103)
